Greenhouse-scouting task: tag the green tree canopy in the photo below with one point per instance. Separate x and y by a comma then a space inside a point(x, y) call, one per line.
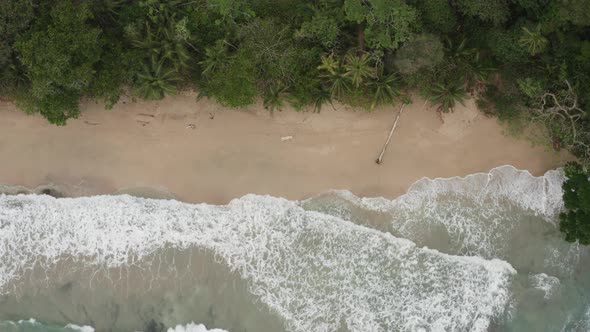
point(15, 17)
point(424, 51)
point(575, 222)
point(60, 59)
point(493, 11)
point(387, 23)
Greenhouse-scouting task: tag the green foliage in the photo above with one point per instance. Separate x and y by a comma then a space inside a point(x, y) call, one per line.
point(232, 83)
point(533, 40)
point(575, 222)
point(321, 28)
point(60, 60)
point(333, 71)
point(438, 15)
point(574, 11)
point(446, 95)
point(156, 81)
point(424, 51)
point(505, 46)
point(15, 18)
point(358, 69)
point(231, 11)
point(388, 23)
point(493, 11)
point(384, 89)
point(162, 34)
point(530, 87)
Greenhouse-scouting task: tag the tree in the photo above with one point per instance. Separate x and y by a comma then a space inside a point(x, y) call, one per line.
point(232, 83)
point(358, 69)
point(321, 28)
point(15, 19)
point(438, 15)
point(385, 24)
point(424, 51)
point(575, 222)
point(60, 60)
point(334, 72)
point(446, 95)
point(493, 11)
point(565, 120)
point(384, 89)
point(156, 81)
point(533, 41)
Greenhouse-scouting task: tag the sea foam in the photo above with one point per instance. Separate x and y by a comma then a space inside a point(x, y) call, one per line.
point(485, 214)
point(316, 271)
point(192, 327)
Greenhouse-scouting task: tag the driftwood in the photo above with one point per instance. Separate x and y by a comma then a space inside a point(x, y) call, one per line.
point(380, 159)
point(563, 116)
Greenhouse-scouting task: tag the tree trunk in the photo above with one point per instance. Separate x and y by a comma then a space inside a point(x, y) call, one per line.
point(360, 35)
point(380, 159)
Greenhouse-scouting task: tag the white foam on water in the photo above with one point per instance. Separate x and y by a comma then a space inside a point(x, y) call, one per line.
point(546, 283)
point(506, 214)
point(541, 194)
point(314, 270)
point(477, 212)
point(79, 328)
point(192, 327)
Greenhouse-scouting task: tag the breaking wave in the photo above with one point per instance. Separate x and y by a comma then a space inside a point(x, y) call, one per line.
point(459, 254)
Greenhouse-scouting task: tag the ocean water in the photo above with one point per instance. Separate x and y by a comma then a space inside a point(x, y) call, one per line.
point(481, 253)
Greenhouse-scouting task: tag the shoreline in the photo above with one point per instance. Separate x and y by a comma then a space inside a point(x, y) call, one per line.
point(199, 151)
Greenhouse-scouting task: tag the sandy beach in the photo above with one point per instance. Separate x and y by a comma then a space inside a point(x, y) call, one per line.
point(202, 152)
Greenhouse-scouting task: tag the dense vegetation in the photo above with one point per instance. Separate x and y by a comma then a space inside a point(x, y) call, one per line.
point(575, 223)
point(525, 61)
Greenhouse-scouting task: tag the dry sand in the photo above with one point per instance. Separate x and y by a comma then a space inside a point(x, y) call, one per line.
point(230, 153)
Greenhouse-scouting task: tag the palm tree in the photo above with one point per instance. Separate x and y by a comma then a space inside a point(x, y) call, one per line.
point(215, 57)
point(358, 69)
point(478, 74)
point(384, 89)
point(458, 51)
point(154, 82)
point(320, 97)
point(163, 44)
point(533, 41)
point(446, 95)
point(273, 97)
point(335, 74)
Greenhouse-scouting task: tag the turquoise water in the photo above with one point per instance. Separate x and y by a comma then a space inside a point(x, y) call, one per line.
point(481, 253)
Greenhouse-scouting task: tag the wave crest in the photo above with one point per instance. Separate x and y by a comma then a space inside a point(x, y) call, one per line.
point(316, 271)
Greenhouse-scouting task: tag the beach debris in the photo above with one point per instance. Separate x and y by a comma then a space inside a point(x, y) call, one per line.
point(380, 159)
point(91, 123)
point(143, 123)
point(211, 116)
point(145, 114)
point(191, 126)
point(286, 138)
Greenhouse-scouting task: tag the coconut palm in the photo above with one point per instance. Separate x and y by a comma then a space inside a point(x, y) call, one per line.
point(384, 89)
point(215, 57)
point(155, 81)
point(320, 97)
point(458, 51)
point(335, 74)
point(446, 95)
point(358, 68)
point(163, 43)
point(273, 97)
point(478, 74)
point(533, 41)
